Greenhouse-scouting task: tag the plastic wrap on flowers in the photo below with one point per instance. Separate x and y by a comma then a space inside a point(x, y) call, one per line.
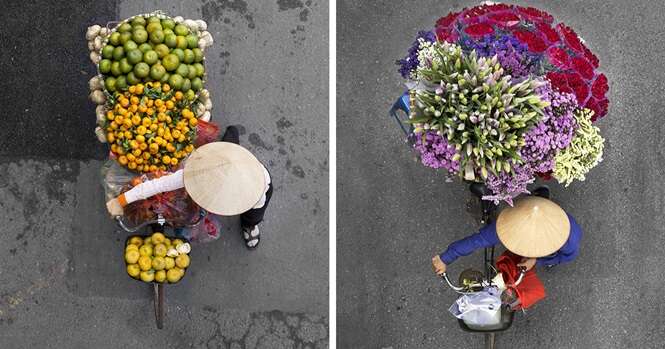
point(497, 89)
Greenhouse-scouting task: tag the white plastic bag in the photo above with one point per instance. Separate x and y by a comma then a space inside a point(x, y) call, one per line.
point(480, 308)
point(499, 282)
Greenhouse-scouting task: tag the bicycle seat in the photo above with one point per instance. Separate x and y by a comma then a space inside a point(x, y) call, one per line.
point(479, 189)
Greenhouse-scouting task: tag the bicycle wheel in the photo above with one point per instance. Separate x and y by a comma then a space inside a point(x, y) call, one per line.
point(489, 340)
point(159, 304)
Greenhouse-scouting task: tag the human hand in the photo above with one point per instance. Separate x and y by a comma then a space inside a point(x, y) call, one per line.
point(114, 207)
point(527, 263)
point(438, 266)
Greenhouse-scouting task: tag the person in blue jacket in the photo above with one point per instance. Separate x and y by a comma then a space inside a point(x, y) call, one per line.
point(535, 228)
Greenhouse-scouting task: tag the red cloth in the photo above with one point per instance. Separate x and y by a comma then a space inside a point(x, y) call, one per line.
point(531, 290)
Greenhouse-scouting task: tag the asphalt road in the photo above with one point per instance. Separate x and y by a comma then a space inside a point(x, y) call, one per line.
point(394, 214)
point(62, 278)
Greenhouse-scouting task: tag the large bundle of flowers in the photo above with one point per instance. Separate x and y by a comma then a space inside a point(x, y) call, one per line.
point(500, 94)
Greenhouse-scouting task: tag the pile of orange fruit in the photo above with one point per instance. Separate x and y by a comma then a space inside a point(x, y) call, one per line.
point(151, 127)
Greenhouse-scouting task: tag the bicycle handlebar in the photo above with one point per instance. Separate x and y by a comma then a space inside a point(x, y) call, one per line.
point(160, 220)
point(455, 288)
point(460, 289)
point(519, 279)
point(122, 224)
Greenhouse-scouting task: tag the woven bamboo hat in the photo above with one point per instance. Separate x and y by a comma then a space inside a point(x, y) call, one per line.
point(224, 178)
point(534, 227)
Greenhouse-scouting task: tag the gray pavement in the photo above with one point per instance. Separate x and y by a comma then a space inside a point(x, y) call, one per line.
point(62, 279)
point(394, 214)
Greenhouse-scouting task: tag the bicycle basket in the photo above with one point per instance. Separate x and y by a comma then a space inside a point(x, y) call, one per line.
point(482, 311)
point(505, 322)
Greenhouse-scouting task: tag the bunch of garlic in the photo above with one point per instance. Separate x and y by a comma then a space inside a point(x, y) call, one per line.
point(96, 85)
point(97, 95)
point(197, 26)
point(96, 35)
point(100, 113)
point(204, 106)
point(181, 249)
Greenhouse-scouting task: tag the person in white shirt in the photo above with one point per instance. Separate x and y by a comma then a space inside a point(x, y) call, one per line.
point(222, 177)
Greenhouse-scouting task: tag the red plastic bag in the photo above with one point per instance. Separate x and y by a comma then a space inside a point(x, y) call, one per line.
point(530, 291)
point(206, 132)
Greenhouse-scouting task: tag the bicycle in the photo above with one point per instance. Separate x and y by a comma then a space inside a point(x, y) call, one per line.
point(473, 280)
point(157, 225)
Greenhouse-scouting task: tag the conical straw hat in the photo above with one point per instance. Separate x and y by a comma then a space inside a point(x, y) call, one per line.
point(224, 178)
point(534, 227)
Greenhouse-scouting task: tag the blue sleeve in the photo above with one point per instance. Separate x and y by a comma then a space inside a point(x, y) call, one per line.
point(486, 237)
point(569, 251)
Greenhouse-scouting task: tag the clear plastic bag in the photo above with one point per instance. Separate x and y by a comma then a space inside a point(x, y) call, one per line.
point(480, 308)
point(206, 132)
point(175, 206)
point(209, 228)
point(114, 178)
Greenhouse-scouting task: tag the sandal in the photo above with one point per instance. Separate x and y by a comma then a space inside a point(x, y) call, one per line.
point(252, 236)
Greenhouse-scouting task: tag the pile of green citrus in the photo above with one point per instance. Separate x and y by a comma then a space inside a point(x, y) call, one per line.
point(150, 48)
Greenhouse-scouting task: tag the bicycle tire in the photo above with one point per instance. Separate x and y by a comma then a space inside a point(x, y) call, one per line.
point(159, 304)
point(489, 340)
